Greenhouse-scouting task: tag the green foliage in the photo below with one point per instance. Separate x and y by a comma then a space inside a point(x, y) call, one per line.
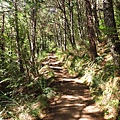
point(17, 89)
point(104, 88)
point(75, 63)
point(118, 117)
point(103, 75)
point(104, 85)
point(6, 100)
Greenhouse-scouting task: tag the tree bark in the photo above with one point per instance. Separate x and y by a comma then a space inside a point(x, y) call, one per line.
point(33, 34)
point(79, 20)
point(18, 39)
point(96, 19)
point(2, 43)
point(65, 27)
point(91, 33)
point(72, 37)
point(111, 30)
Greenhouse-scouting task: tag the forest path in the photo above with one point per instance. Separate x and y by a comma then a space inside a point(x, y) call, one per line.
point(75, 101)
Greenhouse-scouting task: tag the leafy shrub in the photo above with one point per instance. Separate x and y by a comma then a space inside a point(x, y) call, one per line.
point(104, 87)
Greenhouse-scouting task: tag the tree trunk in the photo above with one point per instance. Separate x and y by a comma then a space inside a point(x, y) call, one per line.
point(2, 43)
point(65, 27)
point(79, 19)
point(96, 19)
point(33, 23)
point(18, 39)
point(61, 6)
point(91, 33)
point(111, 30)
point(72, 24)
point(59, 36)
point(33, 34)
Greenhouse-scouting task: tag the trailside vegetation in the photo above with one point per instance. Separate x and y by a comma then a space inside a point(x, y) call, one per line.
point(83, 34)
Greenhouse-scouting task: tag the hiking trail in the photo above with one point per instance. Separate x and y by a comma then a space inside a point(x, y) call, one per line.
point(75, 101)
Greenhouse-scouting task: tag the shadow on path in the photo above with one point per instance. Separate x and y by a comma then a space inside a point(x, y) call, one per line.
point(75, 102)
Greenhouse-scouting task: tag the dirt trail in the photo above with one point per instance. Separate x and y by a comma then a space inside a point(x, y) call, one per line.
point(75, 102)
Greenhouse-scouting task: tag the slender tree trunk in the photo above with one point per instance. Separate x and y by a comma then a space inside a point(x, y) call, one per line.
point(91, 33)
point(18, 39)
point(56, 34)
point(67, 24)
point(72, 24)
point(33, 33)
point(111, 30)
point(59, 37)
point(2, 43)
point(96, 19)
point(65, 27)
point(79, 19)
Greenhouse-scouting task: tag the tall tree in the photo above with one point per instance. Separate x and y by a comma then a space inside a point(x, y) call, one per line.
point(79, 18)
point(65, 25)
point(111, 30)
point(33, 30)
point(72, 37)
point(96, 18)
point(2, 42)
point(18, 37)
point(91, 32)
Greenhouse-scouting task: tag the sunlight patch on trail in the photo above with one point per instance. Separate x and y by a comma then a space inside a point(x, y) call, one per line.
point(71, 97)
point(91, 109)
point(75, 80)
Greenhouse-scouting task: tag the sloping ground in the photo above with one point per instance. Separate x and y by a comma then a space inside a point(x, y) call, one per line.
point(75, 101)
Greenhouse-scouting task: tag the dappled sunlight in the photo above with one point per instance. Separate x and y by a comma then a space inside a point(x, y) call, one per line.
point(87, 77)
point(108, 57)
point(59, 59)
point(70, 97)
point(74, 98)
point(77, 104)
point(74, 101)
point(91, 109)
point(25, 116)
point(75, 80)
point(29, 111)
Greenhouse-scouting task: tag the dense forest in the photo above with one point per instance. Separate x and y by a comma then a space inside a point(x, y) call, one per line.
point(83, 34)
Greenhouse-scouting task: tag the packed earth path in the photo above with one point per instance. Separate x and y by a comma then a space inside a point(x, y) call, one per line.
point(74, 101)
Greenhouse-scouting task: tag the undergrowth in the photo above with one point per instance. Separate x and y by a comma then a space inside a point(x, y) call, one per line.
point(105, 89)
point(25, 96)
point(73, 62)
point(100, 76)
